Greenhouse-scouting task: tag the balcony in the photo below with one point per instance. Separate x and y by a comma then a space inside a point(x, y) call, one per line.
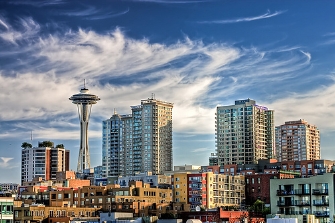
point(285, 192)
point(321, 213)
point(302, 203)
point(320, 192)
point(285, 203)
point(302, 192)
point(320, 203)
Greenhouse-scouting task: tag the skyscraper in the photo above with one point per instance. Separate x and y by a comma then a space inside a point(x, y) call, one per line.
point(43, 161)
point(244, 133)
point(84, 101)
point(140, 141)
point(297, 140)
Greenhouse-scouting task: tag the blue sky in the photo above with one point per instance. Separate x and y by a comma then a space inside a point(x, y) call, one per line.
point(196, 54)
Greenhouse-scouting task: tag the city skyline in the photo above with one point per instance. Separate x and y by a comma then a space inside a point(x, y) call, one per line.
point(195, 54)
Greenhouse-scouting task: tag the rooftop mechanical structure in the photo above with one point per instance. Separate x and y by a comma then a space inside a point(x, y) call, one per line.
point(84, 101)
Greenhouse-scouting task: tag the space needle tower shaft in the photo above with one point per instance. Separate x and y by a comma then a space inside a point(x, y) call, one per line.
point(84, 101)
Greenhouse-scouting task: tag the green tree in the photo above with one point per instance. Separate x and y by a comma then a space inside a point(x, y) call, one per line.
point(60, 146)
point(26, 145)
point(47, 144)
point(259, 207)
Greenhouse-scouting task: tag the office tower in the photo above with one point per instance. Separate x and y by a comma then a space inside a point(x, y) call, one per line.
point(84, 101)
point(297, 140)
point(140, 141)
point(244, 133)
point(43, 161)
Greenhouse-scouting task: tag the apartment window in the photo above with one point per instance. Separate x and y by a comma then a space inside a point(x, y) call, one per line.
point(252, 180)
point(259, 180)
point(59, 196)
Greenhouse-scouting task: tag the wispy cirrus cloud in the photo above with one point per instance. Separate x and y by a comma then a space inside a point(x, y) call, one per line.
point(27, 29)
point(172, 1)
point(266, 15)
point(193, 75)
point(202, 150)
point(38, 3)
point(94, 13)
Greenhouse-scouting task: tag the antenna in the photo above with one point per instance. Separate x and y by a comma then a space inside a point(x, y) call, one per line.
point(115, 111)
point(152, 96)
point(84, 84)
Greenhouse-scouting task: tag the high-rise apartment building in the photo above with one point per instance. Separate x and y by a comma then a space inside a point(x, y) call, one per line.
point(140, 141)
point(43, 161)
point(244, 133)
point(297, 140)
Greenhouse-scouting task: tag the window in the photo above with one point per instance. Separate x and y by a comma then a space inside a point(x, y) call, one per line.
point(258, 180)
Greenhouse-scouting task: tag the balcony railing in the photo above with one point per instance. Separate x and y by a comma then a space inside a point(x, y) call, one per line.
point(302, 203)
point(320, 203)
point(285, 203)
point(320, 191)
point(293, 212)
point(302, 192)
point(284, 192)
point(321, 213)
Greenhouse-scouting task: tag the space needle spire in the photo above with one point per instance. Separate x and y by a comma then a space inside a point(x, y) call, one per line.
point(84, 101)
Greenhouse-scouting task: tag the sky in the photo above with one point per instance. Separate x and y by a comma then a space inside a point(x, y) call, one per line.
point(195, 54)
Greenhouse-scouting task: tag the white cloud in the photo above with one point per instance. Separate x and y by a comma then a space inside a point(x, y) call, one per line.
point(5, 161)
point(202, 150)
point(266, 15)
point(122, 71)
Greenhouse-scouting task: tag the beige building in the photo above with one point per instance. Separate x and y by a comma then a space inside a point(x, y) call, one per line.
point(208, 190)
point(139, 198)
point(40, 213)
point(297, 140)
point(244, 133)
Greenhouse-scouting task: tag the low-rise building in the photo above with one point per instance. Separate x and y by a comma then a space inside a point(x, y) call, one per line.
point(303, 196)
point(208, 190)
point(6, 209)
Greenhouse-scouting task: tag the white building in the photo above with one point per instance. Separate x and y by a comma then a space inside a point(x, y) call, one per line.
point(304, 196)
point(140, 142)
point(6, 209)
point(43, 162)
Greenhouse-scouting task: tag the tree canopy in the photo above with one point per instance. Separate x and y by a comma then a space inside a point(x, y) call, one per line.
point(26, 145)
point(46, 144)
point(60, 146)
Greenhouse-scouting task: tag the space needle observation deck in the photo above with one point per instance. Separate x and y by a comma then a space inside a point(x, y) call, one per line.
point(84, 101)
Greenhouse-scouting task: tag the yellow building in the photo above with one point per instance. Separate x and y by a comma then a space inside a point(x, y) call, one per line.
point(208, 190)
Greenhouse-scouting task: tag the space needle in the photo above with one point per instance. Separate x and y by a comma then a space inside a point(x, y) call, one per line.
point(84, 101)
